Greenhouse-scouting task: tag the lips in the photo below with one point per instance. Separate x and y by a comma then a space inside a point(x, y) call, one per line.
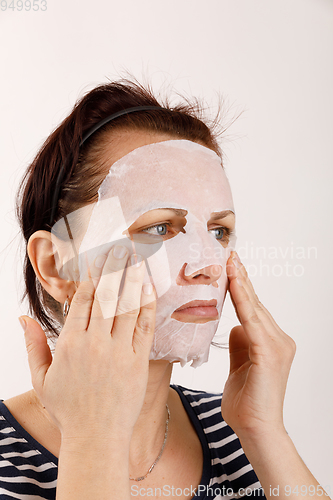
point(198, 303)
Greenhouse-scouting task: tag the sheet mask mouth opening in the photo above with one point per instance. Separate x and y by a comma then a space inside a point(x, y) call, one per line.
point(198, 303)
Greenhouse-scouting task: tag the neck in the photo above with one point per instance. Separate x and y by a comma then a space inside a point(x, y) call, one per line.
point(148, 433)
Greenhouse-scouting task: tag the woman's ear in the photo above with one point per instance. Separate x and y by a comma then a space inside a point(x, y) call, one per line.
point(44, 256)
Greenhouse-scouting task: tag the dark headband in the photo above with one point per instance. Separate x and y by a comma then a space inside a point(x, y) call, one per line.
point(85, 138)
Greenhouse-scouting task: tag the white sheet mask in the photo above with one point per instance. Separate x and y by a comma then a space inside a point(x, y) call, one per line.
point(174, 174)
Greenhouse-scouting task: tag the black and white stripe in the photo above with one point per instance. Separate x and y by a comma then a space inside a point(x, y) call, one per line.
point(227, 472)
point(29, 472)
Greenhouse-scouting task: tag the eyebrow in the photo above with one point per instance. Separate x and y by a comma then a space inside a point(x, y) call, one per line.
point(221, 215)
point(180, 213)
point(214, 215)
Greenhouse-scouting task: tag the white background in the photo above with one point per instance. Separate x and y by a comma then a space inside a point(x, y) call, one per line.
point(270, 59)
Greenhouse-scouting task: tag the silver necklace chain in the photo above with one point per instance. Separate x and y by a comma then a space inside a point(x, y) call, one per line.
point(141, 478)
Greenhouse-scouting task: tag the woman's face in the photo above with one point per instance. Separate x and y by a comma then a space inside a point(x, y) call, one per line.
point(170, 201)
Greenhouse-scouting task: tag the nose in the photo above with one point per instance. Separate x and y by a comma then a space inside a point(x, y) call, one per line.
point(206, 276)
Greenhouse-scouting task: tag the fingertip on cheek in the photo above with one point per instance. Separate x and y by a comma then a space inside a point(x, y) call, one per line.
point(231, 256)
point(232, 266)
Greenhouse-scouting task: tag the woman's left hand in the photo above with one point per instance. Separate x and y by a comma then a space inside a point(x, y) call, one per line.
point(260, 359)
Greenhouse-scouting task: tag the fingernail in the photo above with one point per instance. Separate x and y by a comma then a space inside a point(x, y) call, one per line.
point(239, 281)
point(119, 251)
point(23, 323)
point(147, 288)
point(100, 260)
point(136, 260)
point(236, 260)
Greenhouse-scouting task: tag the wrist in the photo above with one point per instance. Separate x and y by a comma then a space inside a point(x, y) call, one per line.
point(110, 443)
point(93, 467)
point(277, 463)
point(266, 442)
point(260, 436)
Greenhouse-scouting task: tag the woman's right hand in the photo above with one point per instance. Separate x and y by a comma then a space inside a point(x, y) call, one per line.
point(97, 379)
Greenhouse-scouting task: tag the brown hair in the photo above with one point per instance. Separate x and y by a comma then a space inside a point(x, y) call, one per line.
point(83, 173)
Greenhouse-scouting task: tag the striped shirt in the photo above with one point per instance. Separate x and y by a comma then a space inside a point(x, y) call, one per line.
point(227, 472)
point(28, 471)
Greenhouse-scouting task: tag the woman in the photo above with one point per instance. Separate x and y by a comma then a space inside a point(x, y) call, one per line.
point(136, 282)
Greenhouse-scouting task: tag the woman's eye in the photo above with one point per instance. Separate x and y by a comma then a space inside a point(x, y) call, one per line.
point(219, 232)
point(158, 230)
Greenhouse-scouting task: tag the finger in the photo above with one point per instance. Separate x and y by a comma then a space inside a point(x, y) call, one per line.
point(145, 325)
point(261, 326)
point(238, 348)
point(39, 354)
point(128, 307)
point(79, 313)
point(236, 269)
point(107, 291)
point(246, 312)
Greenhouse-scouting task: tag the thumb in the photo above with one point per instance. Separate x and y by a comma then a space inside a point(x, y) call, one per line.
point(39, 354)
point(238, 348)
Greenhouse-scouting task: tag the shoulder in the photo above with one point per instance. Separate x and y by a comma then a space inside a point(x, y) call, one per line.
point(229, 465)
point(206, 406)
point(15, 423)
point(204, 409)
point(26, 468)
